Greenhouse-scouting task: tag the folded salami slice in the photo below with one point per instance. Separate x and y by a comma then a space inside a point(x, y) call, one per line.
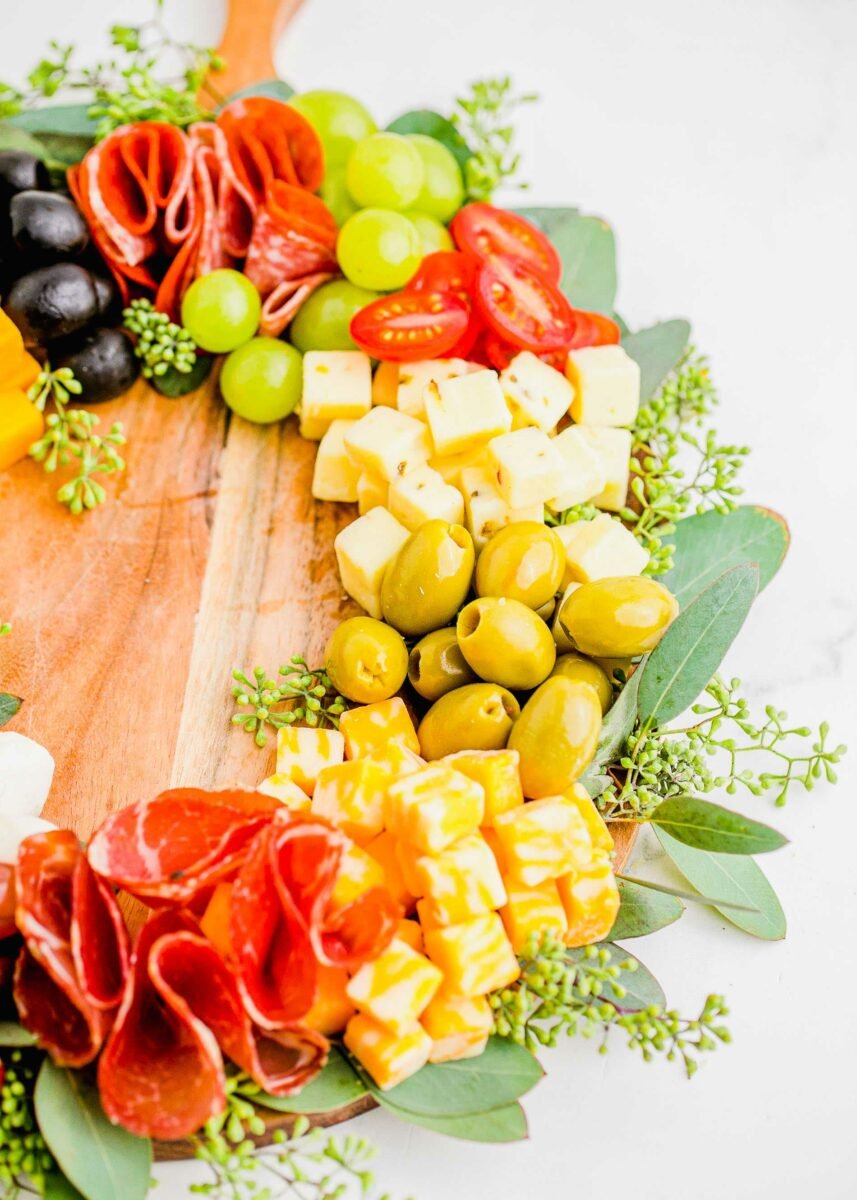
point(282, 304)
point(270, 140)
point(294, 235)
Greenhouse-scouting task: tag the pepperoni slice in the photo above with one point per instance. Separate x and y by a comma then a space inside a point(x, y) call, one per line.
point(270, 140)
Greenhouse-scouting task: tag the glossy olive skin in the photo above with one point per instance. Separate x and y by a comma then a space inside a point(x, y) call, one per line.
point(479, 716)
point(618, 618)
point(556, 735)
point(428, 580)
point(505, 642)
point(103, 362)
point(524, 561)
point(52, 302)
point(19, 172)
point(47, 227)
point(366, 660)
point(575, 666)
point(437, 666)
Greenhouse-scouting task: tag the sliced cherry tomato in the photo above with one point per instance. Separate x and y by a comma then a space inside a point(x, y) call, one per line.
point(489, 233)
point(453, 272)
point(479, 351)
point(500, 353)
point(407, 326)
point(593, 329)
point(522, 307)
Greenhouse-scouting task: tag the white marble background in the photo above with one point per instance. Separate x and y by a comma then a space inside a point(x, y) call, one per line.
point(719, 139)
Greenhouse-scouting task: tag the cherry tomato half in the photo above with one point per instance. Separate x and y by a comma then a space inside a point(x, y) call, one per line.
point(453, 272)
point(522, 307)
point(593, 329)
point(407, 326)
point(489, 233)
point(500, 353)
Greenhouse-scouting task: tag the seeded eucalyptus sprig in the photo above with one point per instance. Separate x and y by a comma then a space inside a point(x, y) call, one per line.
point(25, 1161)
point(485, 121)
point(161, 344)
point(299, 695)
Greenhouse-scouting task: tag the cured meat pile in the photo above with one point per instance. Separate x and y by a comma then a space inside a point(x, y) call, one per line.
point(165, 206)
point(165, 1014)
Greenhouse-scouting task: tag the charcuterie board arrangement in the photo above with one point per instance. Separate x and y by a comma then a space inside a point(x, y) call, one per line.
point(312, 398)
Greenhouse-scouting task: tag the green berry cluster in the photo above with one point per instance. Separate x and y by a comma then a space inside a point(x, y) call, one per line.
point(23, 1153)
point(299, 695)
point(161, 345)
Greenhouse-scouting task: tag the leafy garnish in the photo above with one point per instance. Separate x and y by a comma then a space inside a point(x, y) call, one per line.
point(484, 119)
point(299, 695)
point(23, 1152)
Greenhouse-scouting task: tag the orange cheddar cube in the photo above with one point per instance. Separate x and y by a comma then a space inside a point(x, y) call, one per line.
point(358, 873)
point(591, 901)
point(303, 753)
point(19, 373)
point(281, 787)
point(388, 1057)
point(543, 839)
point(385, 384)
point(434, 807)
point(476, 957)
point(351, 794)
point(407, 857)
point(427, 916)
point(410, 932)
point(371, 728)
point(21, 424)
point(395, 988)
point(462, 881)
point(532, 910)
point(331, 1010)
point(459, 1026)
point(11, 341)
point(602, 839)
point(498, 774)
point(383, 850)
point(214, 922)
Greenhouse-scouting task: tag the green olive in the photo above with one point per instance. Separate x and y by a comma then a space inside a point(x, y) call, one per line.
point(476, 717)
point(556, 735)
point(366, 660)
point(524, 561)
point(505, 642)
point(427, 582)
point(437, 666)
point(575, 666)
point(619, 617)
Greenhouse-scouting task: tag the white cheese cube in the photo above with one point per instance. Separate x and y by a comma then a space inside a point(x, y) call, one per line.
point(606, 384)
point(585, 474)
point(414, 377)
point(466, 412)
point(372, 492)
point(364, 550)
point(335, 476)
point(450, 466)
point(26, 774)
point(14, 829)
point(388, 443)
point(613, 447)
point(536, 393)
point(337, 385)
point(486, 511)
point(564, 644)
point(528, 468)
point(601, 549)
point(422, 495)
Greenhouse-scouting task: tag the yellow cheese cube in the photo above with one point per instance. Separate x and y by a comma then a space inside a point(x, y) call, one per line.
point(397, 760)
point(584, 474)
point(302, 753)
point(613, 447)
point(600, 835)
point(462, 881)
point(409, 931)
point(532, 910)
point(590, 898)
point(486, 512)
point(371, 728)
point(466, 412)
point(498, 774)
point(331, 1010)
point(21, 424)
point(337, 385)
point(606, 384)
point(414, 377)
point(385, 384)
point(434, 807)
point(407, 857)
point(388, 1057)
point(601, 549)
point(476, 957)
point(358, 873)
point(388, 443)
point(459, 1026)
point(351, 795)
point(422, 495)
point(543, 840)
point(527, 467)
point(450, 466)
point(536, 391)
point(335, 477)
point(383, 850)
point(564, 644)
point(395, 987)
point(284, 788)
point(364, 550)
point(372, 492)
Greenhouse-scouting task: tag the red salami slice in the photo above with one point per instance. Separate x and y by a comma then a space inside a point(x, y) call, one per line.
point(285, 300)
point(235, 204)
point(294, 235)
point(56, 1013)
point(269, 140)
point(8, 928)
point(358, 932)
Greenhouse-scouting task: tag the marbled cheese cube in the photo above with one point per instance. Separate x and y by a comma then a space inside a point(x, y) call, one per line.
point(372, 728)
point(600, 835)
point(397, 760)
point(395, 988)
point(331, 1010)
point(601, 549)
point(590, 898)
point(613, 447)
point(606, 383)
point(422, 495)
point(409, 931)
point(352, 796)
point(334, 476)
point(372, 492)
point(383, 849)
point(388, 443)
point(584, 474)
point(498, 774)
point(385, 384)
point(302, 753)
point(466, 412)
point(476, 957)
point(486, 512)
point(532, 910)
point(414, 377)
point(527, 468)
point(364, 550)
point(543, 840)
point(407, 856)
point(358, 872)
point(462, 881)
point(459, 1026)
point(451, 466)
point(284, 788)
point(428, 916)
point(434, 807)
point(388, 1057)
point(337, 385)
point(536, 391)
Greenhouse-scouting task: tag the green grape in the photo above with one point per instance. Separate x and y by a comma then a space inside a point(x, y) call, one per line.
point(339, 120)
point(385, 171)
point(442, 193)
point(323, 320)
point(334, 192)
point(433, 234)
point(220, 311)
point(262, 380)
point(378, 249)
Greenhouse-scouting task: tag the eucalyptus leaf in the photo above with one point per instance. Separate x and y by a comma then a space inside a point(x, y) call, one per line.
point(618, 723)
point(12, 138)
point(276, 89)
point(734, 878)
point(658, 350)
point(642, 911)
point(692, 649)
point(709, 543)
point(12, 1034)
point(175, 383)
point(103, 1161)
point(498, 1125)
point(693, 897)
point(65, 131)
point(432, 124)
point(708, 826)
point(9, 705)
point(595, 785)
point(641, 987)
point(338, 1084)
point(57, 1187)
point(587, 249)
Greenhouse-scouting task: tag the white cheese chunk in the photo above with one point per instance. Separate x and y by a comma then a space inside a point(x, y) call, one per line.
point(337, 385)
point(335, 476)
point(600, 549)
point(14, 829)
point(486, 511)
point(388, 443)
point(364, 550)
point(536, 392)
point(414, 377)
point(26, 774)
point(422, 495)
point(450, 466)
point(372, 492)
point(606, 384)
point(585, 475)
point(529, 469)
point(466, 412)
point(613, 447)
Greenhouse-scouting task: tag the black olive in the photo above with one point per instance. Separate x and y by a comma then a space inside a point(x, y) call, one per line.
point(104, 364)
point(109, 301)
point(46, 227)
point(52, 302)
point(19, 172)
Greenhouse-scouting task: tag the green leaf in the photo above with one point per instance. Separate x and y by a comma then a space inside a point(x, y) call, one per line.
point(432, 124)
point(616, 726)
point(102, 1160)
point(708, 826)
point(694, 646)
point(588, 251)
point(505, 1124)
point(18, 139)
point(176, 383)
point(641, 987)
point(277, 89)
point(72, 120)
point(643, 910)
point(595, 785)
point(12, 1034)
point(9, 705)
point(658, 351)
point(692, 897)
point(57, 1187)
point(709, 543)
point(337, 1085)
point(734, 878)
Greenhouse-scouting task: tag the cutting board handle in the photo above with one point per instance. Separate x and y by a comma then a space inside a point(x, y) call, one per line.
point(252, 30)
